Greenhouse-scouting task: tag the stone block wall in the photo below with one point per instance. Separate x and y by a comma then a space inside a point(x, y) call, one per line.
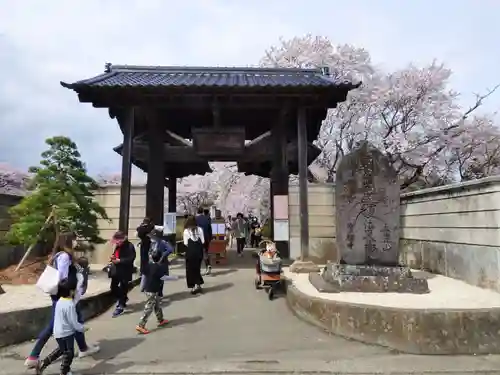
point(109, 198)
point(454, 231)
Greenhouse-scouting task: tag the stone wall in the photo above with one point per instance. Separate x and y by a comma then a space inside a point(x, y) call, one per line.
point(321, 202)
point(8, 254)
point(109, 198)
point(451, 230)
point(454, 231)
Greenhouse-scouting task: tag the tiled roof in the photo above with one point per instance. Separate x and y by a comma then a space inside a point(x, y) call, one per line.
point(178, 77)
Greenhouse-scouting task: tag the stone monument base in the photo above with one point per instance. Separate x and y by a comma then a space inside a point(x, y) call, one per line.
point(304, 266)
point(336, 278)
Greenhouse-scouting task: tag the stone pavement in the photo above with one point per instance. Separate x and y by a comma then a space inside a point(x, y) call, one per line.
point(233, 328)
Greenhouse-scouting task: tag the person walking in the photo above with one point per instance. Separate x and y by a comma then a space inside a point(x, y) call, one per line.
point(256, 235)
point(143, 231)
point(154, 272)
point(62, 260)
point(204, 221)
point(158, 244)
point(240, 232)
point(66, 327)
point(121, 270)
point(229, 232)
point(193, 239)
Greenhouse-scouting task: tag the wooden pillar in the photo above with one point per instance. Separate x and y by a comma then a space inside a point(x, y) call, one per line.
point(302, 160)
point(279, 185)
point(156, 179)
point(126, 178)
point(172, 194)
point(271, 207)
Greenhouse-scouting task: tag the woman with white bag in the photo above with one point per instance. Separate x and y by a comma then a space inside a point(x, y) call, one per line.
point(62, 261)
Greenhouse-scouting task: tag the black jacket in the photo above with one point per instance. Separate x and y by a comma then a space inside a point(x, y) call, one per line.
point(154, 272)
point(142, 232)
point(125, 268)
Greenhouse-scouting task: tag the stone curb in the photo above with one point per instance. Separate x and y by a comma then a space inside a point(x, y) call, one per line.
point(414, 331)
point(23, 325)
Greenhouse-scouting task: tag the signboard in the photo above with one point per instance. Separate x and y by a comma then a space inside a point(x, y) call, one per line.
point(169, 223)
point(281, 230)
point(218, 229)
point(280, 206)
point(213, 142)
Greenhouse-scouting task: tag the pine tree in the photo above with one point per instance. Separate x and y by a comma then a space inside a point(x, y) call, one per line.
point(60, 183)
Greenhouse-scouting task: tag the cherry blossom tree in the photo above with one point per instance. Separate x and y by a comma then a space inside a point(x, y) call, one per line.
point(475, 152)
point(12, 181)
point(109, 179)
point(411, 114)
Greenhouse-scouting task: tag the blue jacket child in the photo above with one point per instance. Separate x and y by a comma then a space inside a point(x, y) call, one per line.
point(158, 244)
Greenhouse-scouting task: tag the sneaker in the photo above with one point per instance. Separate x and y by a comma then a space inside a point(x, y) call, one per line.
point(162, 322)
point(142, 330)
point(118, 311)
point(38, 369)
point(31, 362)
point(208, 270)
point(90, 351)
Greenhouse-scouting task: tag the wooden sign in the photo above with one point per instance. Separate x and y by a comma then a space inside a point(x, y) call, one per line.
point(214, 142)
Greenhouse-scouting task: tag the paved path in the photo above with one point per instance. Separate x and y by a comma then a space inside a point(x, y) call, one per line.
point(231, 328)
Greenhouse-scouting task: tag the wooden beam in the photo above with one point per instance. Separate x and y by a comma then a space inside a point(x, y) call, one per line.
point(259, 153)
point(114, 98)
point(177, 140)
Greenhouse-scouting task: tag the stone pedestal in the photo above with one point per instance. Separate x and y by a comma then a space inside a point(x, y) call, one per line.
point(303, 266)
point(335, 278)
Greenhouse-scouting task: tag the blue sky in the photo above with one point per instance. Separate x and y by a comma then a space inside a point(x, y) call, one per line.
point(42, 43)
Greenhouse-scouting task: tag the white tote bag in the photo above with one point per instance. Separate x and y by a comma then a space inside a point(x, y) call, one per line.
point(48, 281)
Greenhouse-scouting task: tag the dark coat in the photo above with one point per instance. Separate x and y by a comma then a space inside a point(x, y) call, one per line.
point(142, 232)
point(125, 268)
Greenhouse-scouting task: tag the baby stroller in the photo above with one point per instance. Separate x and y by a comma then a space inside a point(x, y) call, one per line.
point(268, 269)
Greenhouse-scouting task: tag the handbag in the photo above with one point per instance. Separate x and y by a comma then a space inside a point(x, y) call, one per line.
point(111, 268)
point(48, 281)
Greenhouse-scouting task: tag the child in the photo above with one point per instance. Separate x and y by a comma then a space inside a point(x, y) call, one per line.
point(82, 268)
point(153, 286)
point(65, 326)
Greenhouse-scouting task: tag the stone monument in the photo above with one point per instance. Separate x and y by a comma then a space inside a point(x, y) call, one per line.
point(367, 198)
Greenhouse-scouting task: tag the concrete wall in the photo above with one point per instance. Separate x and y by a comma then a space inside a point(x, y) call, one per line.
point(321, 202)
point(454, 230)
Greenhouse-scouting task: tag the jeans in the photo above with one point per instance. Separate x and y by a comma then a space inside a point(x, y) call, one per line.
point(80, 336)
point(119, 289)
point(240, 244)
point(46, 333)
